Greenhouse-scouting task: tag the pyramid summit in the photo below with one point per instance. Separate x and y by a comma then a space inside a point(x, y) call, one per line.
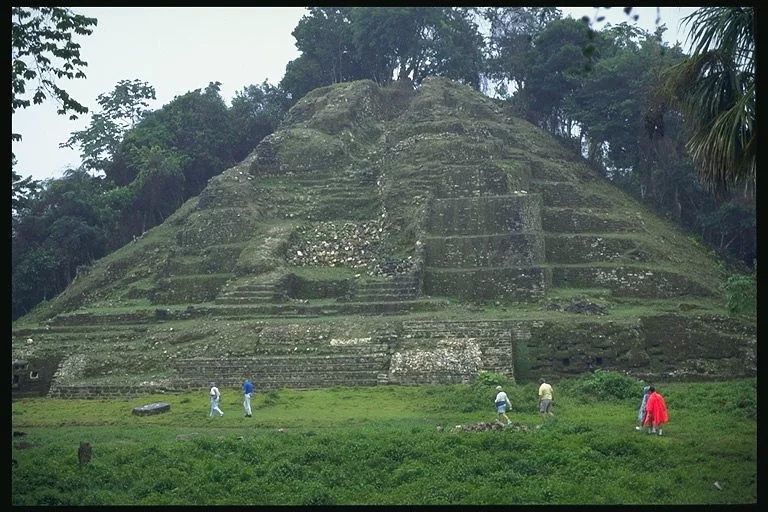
point(391, 235)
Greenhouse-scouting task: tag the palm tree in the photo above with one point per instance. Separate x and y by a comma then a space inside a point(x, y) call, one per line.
point(715, 89)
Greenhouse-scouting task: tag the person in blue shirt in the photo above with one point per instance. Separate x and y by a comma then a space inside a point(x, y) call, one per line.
point(247, 392)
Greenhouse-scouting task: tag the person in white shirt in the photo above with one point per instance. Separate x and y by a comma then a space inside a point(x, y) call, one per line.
point(215, 397)
point(502, 404)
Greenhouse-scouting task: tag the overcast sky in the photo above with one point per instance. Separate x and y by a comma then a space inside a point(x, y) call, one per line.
point(179, 49)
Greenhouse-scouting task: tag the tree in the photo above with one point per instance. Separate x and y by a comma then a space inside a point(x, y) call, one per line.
point(121, 109)
point(63, 226)
point(168, 157)
point(382, 44)
point(328, 53)
point(457, 49)
point(325, 35)
point(22, 189)
point(557, 65)
point(512, 30)
point(194, 124)
point(159, 188)
point(715, 87)
point(42, 50)
point(416, 42)
point(255, 112)
point(610, 107)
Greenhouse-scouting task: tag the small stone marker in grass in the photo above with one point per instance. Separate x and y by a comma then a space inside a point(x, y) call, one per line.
point(156, 408)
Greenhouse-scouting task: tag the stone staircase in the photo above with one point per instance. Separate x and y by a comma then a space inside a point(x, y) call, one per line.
point(398, 288)
point(303, 363)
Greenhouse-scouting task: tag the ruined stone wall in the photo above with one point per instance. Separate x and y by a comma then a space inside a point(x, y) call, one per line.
point(430, 351)
point(32, 376)
point(444, 352)
point(110, 392)
point(485, 247)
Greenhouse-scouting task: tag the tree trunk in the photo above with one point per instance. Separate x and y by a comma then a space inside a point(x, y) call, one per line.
point(678, 207)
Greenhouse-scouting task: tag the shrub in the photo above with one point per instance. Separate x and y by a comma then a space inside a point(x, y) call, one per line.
point(604, 385)
point(491, 379)
point(741, 293)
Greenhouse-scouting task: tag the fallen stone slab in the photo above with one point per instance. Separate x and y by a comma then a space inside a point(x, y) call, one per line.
point(156, 408)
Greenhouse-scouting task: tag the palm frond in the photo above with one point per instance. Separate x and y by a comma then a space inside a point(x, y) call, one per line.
point(715, 89)
point(724, 150)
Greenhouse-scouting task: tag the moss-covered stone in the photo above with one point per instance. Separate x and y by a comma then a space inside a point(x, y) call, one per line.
point(391, 193)
point(598, 248)
point(570, 220)
point(485, 215)
point(508, 283)
point(626, 281)
point(189, 289)
point(517, 249)
point(262, 254)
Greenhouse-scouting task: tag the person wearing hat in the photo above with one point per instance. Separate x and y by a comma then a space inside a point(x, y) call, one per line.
point(545, 399)
point(502, 404)
point(641, 411)
point(215, 397)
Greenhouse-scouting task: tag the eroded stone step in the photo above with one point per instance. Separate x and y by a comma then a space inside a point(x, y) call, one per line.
point(628, 281)
point(586, 220)
point(382, 298)
point(249, 293)
point(566, 193)
point(591, 248)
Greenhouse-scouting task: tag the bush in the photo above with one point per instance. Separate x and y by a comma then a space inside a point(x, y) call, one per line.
point(491, 379)
point(605, 385)
point(741, 291)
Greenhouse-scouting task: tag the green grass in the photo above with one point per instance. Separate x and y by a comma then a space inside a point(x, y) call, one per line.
point(382, 446)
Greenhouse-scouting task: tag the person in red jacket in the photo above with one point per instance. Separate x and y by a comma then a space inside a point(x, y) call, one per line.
point(655, 412)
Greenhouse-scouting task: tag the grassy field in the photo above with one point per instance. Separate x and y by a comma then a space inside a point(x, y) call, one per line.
point(393, 445)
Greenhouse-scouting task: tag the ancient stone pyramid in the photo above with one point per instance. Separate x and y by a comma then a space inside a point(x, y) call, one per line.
point(391, 235)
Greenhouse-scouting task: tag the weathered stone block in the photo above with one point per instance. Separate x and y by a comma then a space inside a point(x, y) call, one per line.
point(511, 283)
point(628, 281)
point(189, 289)
point(593, 248)
point(150, 409)
point(485, 215)
point(571, 220)
point(562, 193)
point(517, 249)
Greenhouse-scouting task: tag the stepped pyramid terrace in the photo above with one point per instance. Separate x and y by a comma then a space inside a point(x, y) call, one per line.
point(391, 235)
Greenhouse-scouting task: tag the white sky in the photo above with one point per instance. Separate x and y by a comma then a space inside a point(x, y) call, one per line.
point(179, 49)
